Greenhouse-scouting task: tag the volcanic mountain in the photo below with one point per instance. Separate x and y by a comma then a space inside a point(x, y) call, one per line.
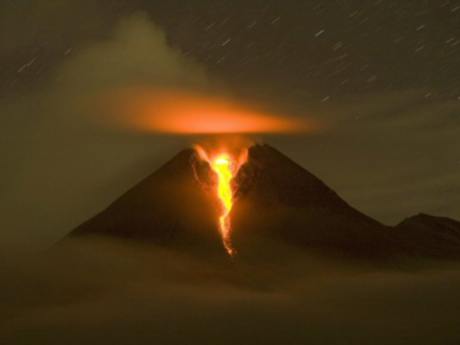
point(276, 201)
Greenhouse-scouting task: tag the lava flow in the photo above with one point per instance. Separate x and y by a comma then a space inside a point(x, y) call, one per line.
point(226, 168)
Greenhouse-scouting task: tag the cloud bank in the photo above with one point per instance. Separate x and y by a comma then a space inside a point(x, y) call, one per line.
point(104, 293)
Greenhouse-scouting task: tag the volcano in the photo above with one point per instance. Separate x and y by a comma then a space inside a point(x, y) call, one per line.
point(276, 201)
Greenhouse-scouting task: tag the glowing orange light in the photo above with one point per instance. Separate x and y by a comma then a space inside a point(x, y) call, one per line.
point(222, 167)
point(178, 112)
point(226, 168)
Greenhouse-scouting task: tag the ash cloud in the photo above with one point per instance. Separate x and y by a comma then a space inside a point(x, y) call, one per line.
point(60, 165)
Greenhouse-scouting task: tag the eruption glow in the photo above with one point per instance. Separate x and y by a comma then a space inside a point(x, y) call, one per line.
point(222, 167)
point(226, 168)
point(178, 112)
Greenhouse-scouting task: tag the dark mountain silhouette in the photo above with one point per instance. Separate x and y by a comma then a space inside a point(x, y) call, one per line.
point(279, 198)
point(169, 208)
point(276, 200)
point(426, 235)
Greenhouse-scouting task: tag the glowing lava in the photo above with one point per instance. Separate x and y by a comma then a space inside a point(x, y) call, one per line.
point(226, 168)
point(222, 166)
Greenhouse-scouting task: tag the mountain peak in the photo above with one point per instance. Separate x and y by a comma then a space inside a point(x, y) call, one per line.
point(275, 200)
point(427, 235)
point(272, 176)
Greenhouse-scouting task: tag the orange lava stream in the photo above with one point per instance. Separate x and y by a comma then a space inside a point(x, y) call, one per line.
point(226, 168)
point(222, 166)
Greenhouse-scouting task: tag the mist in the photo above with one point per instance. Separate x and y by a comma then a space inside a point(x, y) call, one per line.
point(62, 165)
point(106, 292)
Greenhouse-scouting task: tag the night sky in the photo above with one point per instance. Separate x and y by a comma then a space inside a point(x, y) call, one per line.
point(384, 76)
point(304, 49)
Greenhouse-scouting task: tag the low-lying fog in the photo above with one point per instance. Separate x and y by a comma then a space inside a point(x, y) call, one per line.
point(106, 293)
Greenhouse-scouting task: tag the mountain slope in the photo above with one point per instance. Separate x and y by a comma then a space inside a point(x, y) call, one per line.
point(169, 208)
point(282, 199)
point(276, 201)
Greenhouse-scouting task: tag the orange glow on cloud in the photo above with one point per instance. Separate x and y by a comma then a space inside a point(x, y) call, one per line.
point(178, 112)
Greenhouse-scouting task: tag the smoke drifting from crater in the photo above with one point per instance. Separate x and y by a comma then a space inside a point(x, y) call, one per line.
point(60, 165)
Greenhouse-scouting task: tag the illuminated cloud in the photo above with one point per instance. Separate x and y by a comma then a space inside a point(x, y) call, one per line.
point(180, 112)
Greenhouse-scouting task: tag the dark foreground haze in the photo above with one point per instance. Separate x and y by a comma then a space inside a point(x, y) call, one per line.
point(103, 292)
